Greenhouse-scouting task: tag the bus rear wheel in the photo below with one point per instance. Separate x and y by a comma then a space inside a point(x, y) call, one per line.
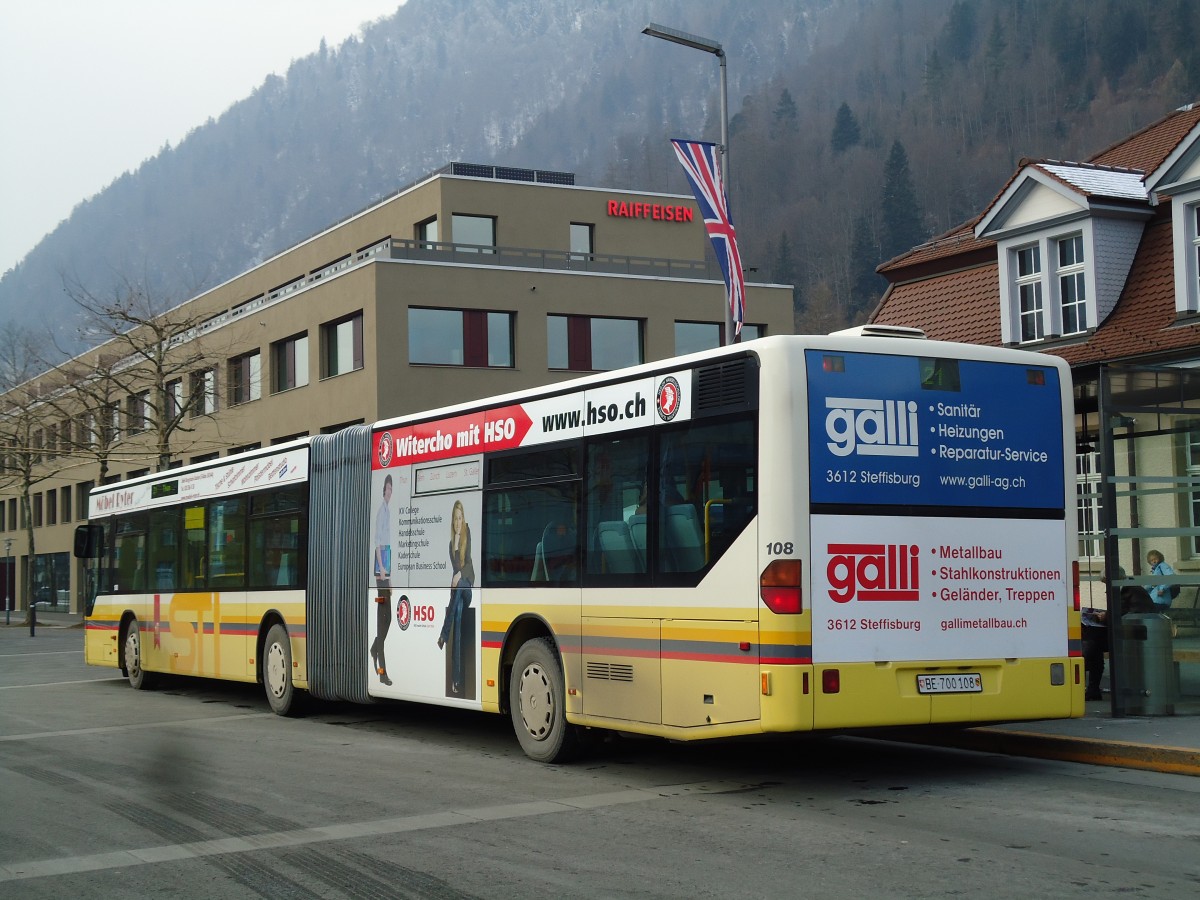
point(537, 703)
point(139, 678)
point(277, 673)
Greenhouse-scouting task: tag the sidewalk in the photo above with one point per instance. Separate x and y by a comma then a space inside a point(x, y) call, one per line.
point(46, 618)
point(1160, 744)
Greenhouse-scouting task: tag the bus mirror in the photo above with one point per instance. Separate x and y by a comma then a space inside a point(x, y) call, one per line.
point(89, 542)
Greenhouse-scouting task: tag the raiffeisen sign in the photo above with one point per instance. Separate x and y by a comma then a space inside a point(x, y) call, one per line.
point(621, 209)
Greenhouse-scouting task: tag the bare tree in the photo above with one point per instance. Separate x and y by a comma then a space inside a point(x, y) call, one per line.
point(30, 449)
point(153, 357)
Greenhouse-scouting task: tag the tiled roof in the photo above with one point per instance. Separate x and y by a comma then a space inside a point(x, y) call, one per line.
point(952, 243)
point(945, 286)
point(1148, 149)
point(964, 306)
point(1143, 322)
point(960, 306)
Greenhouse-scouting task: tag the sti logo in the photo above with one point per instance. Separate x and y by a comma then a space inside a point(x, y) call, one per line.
point(873, 572)
point(385, 449)
point(871, 427)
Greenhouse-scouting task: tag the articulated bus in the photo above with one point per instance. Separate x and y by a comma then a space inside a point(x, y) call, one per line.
point(793, 534)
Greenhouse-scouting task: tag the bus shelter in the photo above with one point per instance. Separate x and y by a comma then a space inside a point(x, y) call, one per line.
point(1140, 534)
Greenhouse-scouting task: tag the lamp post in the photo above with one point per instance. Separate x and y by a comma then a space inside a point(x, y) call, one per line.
point(696, 42)
point(8, 579)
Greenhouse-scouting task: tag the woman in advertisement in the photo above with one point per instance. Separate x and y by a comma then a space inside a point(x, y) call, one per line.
point(382, 569)
point(461, 579)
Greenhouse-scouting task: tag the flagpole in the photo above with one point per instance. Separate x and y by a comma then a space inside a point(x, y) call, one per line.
point(708, 46)
point(731, 335)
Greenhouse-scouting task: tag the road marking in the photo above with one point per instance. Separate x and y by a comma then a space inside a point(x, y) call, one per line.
point(14, 687)
point(131, 726)
point(117, 859)
point(41, 653)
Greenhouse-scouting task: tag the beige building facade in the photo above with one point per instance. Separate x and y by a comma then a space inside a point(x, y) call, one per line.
point(475, 281)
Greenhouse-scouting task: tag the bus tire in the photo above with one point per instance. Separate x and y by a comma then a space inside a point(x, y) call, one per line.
point(537, 703)
point(277, 673)
point(139, 678)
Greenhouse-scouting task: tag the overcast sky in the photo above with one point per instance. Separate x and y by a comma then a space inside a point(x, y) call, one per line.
point(91, 88)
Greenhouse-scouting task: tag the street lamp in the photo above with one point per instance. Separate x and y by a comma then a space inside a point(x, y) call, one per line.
point(696, 42)
point(8, 579)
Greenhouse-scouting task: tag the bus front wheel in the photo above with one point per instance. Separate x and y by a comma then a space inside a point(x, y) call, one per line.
point(277, 673)
point(139, 678)
point(537, 702)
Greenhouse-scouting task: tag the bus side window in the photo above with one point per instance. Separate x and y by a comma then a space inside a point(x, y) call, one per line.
point(129, 555)
point(194, 577)
point(531, 535)
point(617, 475)
point(164, 549)
point(227, 543)
point(706, 492)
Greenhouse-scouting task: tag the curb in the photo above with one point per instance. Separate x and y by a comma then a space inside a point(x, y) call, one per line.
point(1122, 754)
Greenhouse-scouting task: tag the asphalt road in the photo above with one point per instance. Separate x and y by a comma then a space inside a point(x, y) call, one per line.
point(197, 790)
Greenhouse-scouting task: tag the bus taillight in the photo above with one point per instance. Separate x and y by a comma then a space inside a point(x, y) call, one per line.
point(831, 681)
point(779, 586)
point(1075, 583)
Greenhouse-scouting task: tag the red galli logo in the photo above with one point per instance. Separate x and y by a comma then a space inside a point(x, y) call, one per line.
point(385, 449)
point(873, 572)
point(403, 612)
point(668, 399)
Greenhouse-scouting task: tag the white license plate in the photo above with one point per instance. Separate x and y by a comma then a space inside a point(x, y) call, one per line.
point(959, 683)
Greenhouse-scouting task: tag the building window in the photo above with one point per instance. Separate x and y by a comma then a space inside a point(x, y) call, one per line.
point(245, 378)
point(479, 231)
point(51, 441)
point(205, 457)
point(1072, 293)
point(174, 391)
point(65, 502)
point(244, 448)
point(36, 503)
point(586, 343)
point(460, 337)
point(692, 337)
point(1196, 254)
point(342, 346)
point(427, 233)
point(83, 498)
point(1029, 292)
point(136, 412)
point(582, 239)
point(52, 507)
point(204, 392)
point(1088, 505)
point(1192, 451)
point(289, 363)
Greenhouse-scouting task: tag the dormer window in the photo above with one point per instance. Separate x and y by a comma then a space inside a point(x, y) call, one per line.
point(1052, 226)
point(1072, 289)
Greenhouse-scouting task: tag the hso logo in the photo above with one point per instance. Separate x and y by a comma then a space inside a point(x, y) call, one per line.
point(385, 449)
point(403, 612)
point(873, 572)
point(871, 427)
point(668, 399)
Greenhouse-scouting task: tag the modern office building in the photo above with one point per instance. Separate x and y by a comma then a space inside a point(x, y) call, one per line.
point(477, 280)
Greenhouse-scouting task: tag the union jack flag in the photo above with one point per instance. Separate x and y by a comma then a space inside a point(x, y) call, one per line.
point(699, 161)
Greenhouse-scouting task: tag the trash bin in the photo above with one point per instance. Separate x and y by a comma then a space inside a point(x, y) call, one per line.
point(1147, 665)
